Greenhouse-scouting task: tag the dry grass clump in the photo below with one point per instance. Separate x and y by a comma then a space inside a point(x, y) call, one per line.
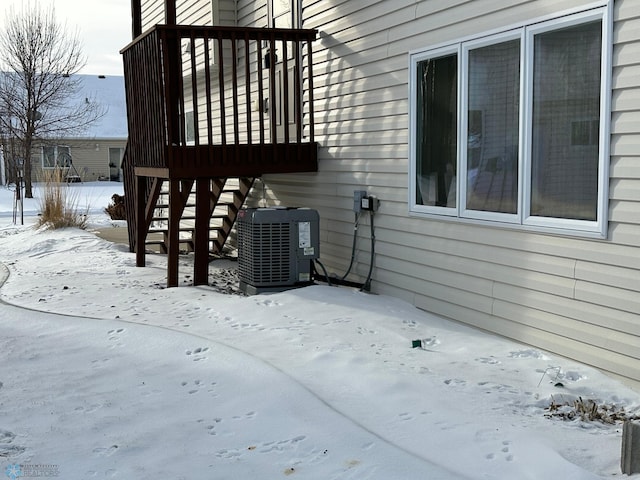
point(58, 204)
point(588, 411)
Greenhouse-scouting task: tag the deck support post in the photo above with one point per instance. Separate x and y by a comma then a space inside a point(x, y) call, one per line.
point(173, 234)
point(201, 241)
point(630, 461)
point(141, 230)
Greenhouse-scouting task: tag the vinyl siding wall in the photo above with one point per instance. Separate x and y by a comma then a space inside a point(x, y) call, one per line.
point(190, 12)
point(573, 296)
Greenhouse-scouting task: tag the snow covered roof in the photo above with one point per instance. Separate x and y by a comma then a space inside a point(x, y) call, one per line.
point(109, 91)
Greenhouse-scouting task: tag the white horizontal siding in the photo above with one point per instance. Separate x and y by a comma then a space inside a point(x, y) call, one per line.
point(615, 288)
point(252, 13)
point(152, 13)
point(576, 297)
point(190, 12)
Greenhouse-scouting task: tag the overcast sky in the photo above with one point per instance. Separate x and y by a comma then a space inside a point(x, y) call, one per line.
point(104, 27)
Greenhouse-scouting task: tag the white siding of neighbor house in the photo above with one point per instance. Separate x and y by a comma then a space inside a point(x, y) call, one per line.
point(573, 296)
point(90, 158)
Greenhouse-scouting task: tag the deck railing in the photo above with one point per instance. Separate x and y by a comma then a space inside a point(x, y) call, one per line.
point(200, 96)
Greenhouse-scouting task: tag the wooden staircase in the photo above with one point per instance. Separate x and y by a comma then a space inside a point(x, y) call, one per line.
point(165, 216)
point(227, 196)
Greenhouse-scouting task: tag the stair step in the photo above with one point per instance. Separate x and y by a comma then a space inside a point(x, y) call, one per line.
point(164, 230)
point(166, 205)
point(217, 230)
point(154, 242)
point(215, 240)
point(160, 219)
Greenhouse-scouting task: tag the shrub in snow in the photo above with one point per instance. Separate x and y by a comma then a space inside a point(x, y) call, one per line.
point(587, 411)
point(116, 209)
point(58, 204)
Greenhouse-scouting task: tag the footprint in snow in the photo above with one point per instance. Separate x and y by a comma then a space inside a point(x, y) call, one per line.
point(115, 336)
point(212, 426)
point(115, 333)
point(267, 447)
point(248, 416)
point(505, 450)
point(489, 360)
point(197, 354)
point(364, 331)
point(106, 452)
point(198, 385)
point(7, 448)
point(455, 382)
point(268, 303)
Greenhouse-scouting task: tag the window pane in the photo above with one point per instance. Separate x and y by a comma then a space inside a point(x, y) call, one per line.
point(566, 106)
point(64, 157)
point(493, 128)
point(436, 136)
point(282, 13)
point(48, 157)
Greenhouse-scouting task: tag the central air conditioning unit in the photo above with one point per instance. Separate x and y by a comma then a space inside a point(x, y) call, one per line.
point(276, 248)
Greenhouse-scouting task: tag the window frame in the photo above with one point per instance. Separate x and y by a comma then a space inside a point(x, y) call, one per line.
point(467, 47)
point(46, 165)
point(526, 32)
point(56, 155)
point(413, 167)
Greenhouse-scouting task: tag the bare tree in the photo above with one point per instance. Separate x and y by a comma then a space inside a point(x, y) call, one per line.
point(38, 60)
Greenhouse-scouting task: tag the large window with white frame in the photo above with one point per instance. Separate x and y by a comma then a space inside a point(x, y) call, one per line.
point(512, 127)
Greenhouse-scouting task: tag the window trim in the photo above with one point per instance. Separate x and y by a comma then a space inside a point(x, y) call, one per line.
point(522, 220)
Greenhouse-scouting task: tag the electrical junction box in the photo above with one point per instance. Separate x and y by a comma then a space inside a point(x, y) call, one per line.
point(363, 202)
point(370, 203)
point(276, 248)
point(358, 195)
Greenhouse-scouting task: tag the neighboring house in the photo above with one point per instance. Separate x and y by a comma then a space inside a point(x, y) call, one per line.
point(500, 137)
point(97, 153)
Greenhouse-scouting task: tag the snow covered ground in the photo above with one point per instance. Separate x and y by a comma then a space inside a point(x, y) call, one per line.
point(107, 374)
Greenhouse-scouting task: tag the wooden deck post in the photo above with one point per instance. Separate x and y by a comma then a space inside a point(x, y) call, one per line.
point(136, 18)
point(201, 241)
point(173, 234)
point(141, 230)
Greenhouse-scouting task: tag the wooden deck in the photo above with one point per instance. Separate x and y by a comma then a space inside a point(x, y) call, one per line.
point(234, 160)
point(205, 104)
point(196, 101)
